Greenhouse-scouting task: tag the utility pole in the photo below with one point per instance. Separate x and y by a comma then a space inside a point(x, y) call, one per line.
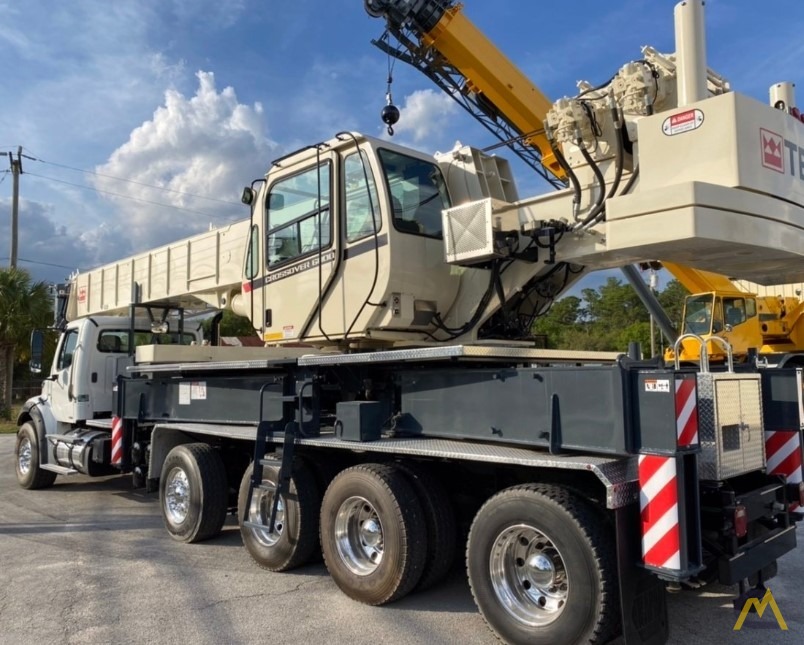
point(16, 171)
point(654, 283)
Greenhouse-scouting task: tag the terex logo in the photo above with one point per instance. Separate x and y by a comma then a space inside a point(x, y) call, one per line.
point(775, 149)
point(772, 145)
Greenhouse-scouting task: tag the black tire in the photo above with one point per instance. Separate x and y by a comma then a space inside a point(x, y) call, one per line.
point(372, 533)
point(30, 474)
point(193, 492)
point(295, 538)
point(439, 521)
point(571, 599)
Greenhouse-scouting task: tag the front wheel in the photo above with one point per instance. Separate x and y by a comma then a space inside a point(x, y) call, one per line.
point(542, 568)
point(30, 474)
point(193, 492)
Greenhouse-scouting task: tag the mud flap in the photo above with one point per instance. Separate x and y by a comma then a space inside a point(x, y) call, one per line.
point(643, 599)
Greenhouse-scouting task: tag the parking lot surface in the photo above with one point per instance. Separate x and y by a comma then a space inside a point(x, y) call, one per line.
point(88, 561)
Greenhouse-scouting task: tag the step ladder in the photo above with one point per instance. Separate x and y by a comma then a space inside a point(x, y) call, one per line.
point(294, 425)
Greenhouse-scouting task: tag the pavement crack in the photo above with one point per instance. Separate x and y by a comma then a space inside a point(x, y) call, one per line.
point(277, 594)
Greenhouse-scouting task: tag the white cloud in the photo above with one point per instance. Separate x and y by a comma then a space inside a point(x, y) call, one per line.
point(208, 145)
point(426, 114)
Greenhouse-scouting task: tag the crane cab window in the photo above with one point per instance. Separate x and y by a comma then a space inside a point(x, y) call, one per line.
point(298, 214)
point(737, 310)
point(698, 314)
point(252, 255)
point(418, 193)
point(362, 204)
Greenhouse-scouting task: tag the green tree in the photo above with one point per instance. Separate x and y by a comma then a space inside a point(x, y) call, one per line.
point(606, 318)
point(24, 306)
point(563, 318)
point(672, 300)
point(231, 325)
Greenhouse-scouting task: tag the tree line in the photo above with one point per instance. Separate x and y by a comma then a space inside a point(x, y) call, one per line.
point(606, 318)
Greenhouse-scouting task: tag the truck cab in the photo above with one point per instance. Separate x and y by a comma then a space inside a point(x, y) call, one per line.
point(67, 427)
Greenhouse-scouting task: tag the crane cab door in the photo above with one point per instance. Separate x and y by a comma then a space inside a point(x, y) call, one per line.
point(364, 236)
point(300, 252)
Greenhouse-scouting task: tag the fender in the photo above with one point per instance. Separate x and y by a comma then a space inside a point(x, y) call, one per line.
point(163, 440)
point(37, 411)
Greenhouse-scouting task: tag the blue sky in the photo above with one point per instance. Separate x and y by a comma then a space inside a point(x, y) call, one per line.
point(197, 96)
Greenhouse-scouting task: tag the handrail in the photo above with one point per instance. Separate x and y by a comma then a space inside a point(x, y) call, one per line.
point(702, 353)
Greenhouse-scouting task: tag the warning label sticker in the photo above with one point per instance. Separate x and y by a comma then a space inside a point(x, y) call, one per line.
point(683, 122)
point(657, 385)
point(198, 390)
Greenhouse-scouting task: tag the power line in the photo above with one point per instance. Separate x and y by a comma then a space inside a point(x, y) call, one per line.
point(47, 264)
point(133, 181)
point(134, 199)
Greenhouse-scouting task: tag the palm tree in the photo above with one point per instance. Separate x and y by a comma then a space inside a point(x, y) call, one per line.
point(24, 306)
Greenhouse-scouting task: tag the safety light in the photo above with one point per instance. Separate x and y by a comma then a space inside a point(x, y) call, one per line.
point(740, 521)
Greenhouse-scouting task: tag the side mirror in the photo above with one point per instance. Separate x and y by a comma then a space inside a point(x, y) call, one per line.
point(37, 350)
point(248, 196)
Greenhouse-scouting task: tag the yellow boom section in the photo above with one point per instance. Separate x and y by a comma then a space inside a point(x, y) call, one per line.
point(489, 72)
point(697, 281)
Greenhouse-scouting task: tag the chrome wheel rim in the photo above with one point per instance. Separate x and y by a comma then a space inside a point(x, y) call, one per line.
point(359, 536)
point(528, 575)
point(259, 512)
point(177, 496)
point(24, 456)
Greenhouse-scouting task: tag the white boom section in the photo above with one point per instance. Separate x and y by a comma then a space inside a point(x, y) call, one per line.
point(206, 268)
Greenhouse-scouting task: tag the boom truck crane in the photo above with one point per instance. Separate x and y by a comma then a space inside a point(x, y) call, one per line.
point(398, 398)
point(462, 62)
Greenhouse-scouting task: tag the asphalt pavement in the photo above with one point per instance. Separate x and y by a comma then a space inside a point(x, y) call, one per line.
point(88, 561)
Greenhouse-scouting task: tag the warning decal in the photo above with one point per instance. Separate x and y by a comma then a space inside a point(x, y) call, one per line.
point(683, 122)
point(657, 385)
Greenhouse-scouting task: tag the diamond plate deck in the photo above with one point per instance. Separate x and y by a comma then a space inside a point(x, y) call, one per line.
point(477, 352)
point(618, 474)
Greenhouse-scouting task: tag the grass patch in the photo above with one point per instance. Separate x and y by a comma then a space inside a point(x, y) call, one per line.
point(9, 426)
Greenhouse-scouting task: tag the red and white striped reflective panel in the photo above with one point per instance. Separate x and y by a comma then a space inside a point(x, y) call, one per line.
point(686, 412)
point(783, 454)
point(117, 440)
point(658, 503)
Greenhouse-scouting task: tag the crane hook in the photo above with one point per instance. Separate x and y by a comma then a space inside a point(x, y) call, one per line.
point(390, 113)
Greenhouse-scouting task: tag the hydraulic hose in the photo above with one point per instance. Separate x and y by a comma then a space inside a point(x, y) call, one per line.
point(600, 180)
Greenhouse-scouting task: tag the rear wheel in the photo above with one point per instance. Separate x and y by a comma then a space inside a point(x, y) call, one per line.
point(372, 533)
point(541, 568)
point(193, 492)
point(439, 521)
point(30, 474)
point(295, 536)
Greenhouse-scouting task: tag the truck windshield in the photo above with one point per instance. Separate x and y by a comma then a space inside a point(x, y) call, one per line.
point(418, 193)
point(698, 314)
